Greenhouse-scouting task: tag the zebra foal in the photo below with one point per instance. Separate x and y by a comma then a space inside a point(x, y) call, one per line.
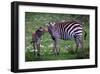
point(36, 40)
point(66, 30)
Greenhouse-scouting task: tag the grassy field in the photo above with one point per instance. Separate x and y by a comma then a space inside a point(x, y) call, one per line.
point(34, 20)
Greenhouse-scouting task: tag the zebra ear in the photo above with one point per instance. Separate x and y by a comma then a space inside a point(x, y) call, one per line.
point(52, 23)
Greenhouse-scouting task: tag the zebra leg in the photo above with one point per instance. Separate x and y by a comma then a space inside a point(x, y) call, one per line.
point(77, 44)
point(56, 47)
point(81, 47)
point(80, 54)
point(81, 43)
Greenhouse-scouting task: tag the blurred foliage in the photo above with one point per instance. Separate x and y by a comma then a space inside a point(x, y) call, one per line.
point(34, 20)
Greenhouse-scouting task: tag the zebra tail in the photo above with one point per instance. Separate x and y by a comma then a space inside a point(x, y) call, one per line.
point(85, 34)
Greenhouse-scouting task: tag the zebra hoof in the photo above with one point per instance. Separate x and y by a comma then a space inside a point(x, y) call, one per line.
point(38, 54)
point(58, 53)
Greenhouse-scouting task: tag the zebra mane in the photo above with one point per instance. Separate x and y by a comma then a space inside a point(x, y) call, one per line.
point(50, 24)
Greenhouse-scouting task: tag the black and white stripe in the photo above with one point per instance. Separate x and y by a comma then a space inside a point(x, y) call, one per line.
point(66, 30)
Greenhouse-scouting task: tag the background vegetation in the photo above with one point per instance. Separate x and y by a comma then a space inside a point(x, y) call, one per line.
point(34, 20)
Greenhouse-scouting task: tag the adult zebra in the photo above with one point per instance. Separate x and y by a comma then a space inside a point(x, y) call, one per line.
point(66, 30)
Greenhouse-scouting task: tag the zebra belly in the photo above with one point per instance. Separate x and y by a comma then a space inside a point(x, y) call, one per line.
point(65, 36)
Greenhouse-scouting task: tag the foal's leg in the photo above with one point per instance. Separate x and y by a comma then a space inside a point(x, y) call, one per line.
point(34, 46)
point(38, 47)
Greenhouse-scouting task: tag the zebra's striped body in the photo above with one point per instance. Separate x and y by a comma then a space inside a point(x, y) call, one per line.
point(65, 31)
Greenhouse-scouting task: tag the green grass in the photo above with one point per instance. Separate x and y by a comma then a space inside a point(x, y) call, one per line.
point(62, 56)
point(67, 47)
